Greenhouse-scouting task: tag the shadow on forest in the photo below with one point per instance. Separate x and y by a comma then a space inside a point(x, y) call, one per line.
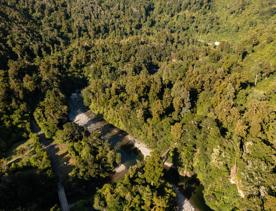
point(95, 120)
point(78, 189)
point(107, 129)
point(28, 189)
point(117, 138)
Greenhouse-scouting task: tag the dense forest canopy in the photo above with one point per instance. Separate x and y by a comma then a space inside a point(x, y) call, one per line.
point(194, 76)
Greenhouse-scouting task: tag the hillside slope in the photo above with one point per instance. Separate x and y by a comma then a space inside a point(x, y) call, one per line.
point(198, 77)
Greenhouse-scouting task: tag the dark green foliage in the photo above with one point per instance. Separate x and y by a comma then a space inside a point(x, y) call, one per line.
point(155, 70)
point(94, 158)
point(71, 133)
point(153, 170)
point(138, 190)
point(208, 101)
point(51, 112)
point(32, 63)
point(26, 178)
point(91, 157)
point(27, 189)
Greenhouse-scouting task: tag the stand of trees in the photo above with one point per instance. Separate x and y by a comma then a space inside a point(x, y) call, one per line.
point(142, 188)
point(26, 179)
point(197, 76)
point(92, 157)
point(89, 161)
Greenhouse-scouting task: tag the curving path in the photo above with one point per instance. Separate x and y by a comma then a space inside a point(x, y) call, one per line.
point(50, 148)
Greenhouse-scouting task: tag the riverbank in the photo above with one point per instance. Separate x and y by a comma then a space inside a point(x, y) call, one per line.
point(118, 139)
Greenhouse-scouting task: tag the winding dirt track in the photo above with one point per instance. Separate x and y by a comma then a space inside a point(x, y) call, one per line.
point(50, 148)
